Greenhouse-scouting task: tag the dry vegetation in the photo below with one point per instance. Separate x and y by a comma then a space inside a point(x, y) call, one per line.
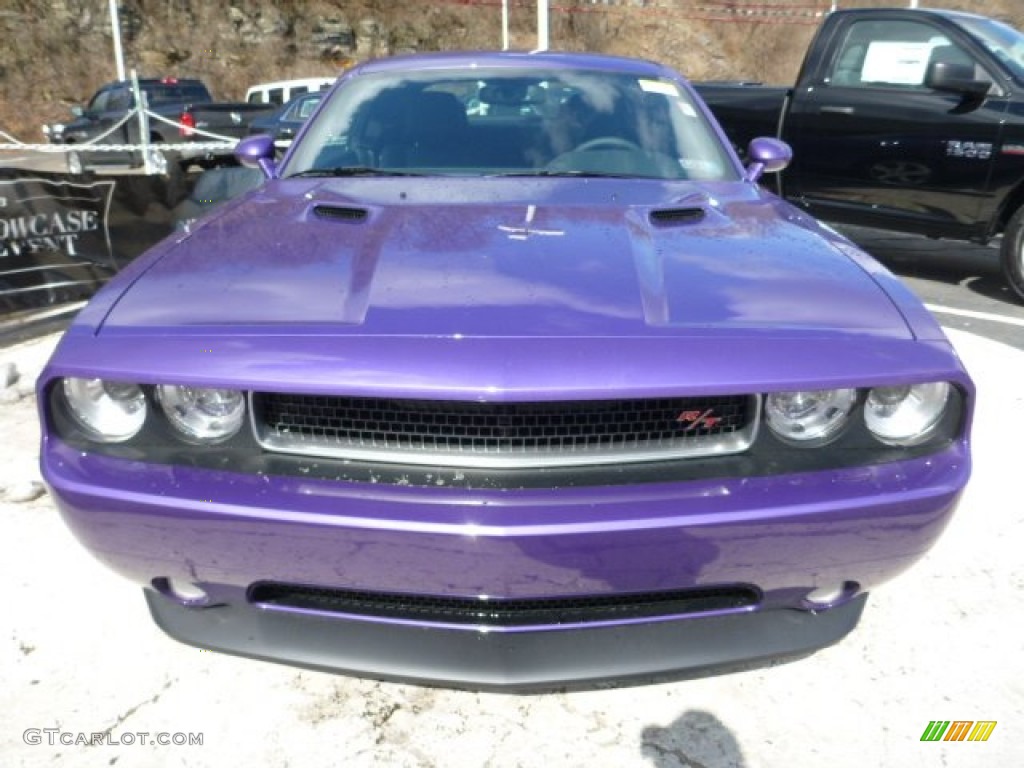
point(56, 52)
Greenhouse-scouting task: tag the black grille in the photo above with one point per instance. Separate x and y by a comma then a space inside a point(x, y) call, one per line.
point(504, 613)
point(581, 429)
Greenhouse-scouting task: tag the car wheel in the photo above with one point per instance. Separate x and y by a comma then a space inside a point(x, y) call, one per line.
point(1012, 253)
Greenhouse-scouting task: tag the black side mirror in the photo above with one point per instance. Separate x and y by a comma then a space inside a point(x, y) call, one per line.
point(957, 78)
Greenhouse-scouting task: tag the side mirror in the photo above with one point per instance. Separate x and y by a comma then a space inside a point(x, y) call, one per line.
point(257, 152)
point(767, 155)
point(77, 111)
point(956, 77)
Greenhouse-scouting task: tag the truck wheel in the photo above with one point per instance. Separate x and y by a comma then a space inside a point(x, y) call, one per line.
point(1012, 253)
point(175, 180)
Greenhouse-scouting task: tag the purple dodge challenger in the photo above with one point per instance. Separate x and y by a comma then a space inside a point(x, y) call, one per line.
point(510, 375)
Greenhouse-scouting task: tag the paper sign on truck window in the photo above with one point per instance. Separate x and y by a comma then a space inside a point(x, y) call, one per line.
point(896, 63)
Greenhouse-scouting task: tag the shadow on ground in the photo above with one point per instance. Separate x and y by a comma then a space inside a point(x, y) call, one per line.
point(976, 267)
point(696, 739)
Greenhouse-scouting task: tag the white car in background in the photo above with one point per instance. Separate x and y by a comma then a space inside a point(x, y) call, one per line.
point(283, 91)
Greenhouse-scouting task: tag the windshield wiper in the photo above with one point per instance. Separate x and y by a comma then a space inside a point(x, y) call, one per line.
point(351, 170)
point(572, 174)
point(368, 171)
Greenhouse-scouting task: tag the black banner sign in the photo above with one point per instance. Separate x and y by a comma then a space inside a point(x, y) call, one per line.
point(62, 237)
point(55, 241)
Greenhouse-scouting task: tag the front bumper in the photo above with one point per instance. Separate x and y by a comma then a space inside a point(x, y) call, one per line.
point(784, 535)
point(537, 659)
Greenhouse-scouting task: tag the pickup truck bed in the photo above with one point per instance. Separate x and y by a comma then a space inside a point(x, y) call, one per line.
point(230, 120)
point(186, 102)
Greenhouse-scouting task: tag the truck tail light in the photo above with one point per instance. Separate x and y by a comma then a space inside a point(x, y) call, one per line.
point(188, 123)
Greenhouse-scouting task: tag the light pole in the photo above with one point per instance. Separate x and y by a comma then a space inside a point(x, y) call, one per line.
point(115, 25)
point(542, 25)
point(504, 25)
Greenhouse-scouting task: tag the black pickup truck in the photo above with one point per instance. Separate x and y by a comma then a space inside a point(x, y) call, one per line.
point(909, 120)
point(185, 104)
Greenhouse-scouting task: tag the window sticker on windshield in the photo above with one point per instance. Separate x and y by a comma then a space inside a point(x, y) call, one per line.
point(664, 87)
point(686, 108)
point(701, 167)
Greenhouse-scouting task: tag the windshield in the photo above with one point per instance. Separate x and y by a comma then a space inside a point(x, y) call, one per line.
point(1005, 42)
point(507, 121)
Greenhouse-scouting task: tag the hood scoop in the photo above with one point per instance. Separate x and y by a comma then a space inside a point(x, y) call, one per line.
point(674, 217)
point(340, 213)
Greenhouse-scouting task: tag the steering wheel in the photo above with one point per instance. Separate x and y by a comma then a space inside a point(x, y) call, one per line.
point(606, 142)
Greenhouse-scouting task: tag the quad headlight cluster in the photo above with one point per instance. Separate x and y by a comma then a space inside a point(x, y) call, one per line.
point(903, 416)
point(898, 416)
point(114, 411)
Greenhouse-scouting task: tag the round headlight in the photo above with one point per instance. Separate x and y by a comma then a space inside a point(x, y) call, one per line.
point(108, 411)
point(812, 416)
point(905, 415)
point(203, 415)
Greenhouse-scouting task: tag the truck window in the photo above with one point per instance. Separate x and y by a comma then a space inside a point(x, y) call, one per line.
point(119, 99)
point(195, 93)
point(99, 102)
point(162, 95)
point(275, 95)
point(1005, 42)
point(893, 54)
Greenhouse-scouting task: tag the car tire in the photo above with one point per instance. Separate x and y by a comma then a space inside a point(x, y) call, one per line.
point(1012, 253)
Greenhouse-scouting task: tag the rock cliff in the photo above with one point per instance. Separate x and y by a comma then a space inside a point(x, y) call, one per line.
point(56, 52)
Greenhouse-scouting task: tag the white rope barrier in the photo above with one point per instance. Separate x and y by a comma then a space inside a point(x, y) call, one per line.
point(92, 145)
point(64, 148)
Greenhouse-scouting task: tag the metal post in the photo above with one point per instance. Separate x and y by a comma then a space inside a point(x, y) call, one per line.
point(542, 25)
point(139, 98)
point(115, 24)
point(504, 25)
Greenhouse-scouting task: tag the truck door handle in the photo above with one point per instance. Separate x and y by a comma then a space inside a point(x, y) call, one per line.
point(831, 110)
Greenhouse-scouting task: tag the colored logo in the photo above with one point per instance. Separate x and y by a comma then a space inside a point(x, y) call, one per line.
point(958, 730)
point(695, 420)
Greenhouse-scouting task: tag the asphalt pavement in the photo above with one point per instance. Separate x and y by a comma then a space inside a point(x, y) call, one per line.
point(961, 283)
point(90, 681)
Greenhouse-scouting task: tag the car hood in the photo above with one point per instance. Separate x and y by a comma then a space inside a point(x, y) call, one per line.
point(506, 258)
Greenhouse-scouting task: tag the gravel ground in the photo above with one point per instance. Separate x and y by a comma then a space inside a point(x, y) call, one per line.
point(80, 656)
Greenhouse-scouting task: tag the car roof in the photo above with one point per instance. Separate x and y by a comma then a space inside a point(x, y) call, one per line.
point(518, 59)
point(945, 13)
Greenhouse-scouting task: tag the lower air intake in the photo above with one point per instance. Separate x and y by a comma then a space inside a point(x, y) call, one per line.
point(504, 613)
